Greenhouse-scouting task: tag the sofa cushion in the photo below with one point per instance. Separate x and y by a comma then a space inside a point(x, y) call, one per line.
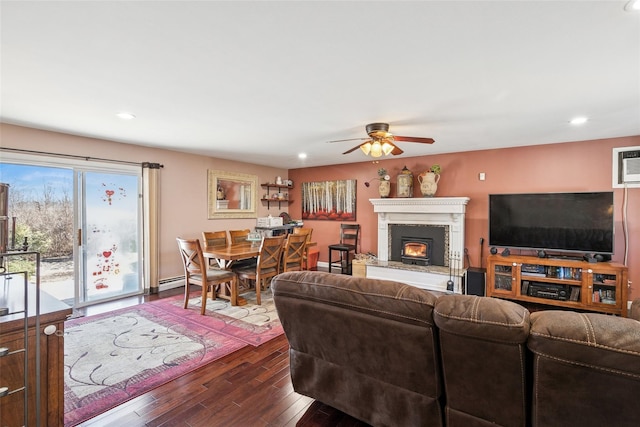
point(470, 315)
point(586, 369)
point(484, 360)
point(597, 340)
point(366, 347)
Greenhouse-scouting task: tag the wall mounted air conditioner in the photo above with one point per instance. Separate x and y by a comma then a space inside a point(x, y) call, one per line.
point(626, 167)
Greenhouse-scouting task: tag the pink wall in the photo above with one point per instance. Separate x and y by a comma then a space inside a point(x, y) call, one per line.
point(574, 166)
point(183, 183)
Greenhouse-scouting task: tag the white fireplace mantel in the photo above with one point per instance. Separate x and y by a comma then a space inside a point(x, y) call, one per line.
point(434, 211)
point(449, 211)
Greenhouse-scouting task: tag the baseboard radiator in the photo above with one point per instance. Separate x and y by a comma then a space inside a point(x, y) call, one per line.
point(170, 283)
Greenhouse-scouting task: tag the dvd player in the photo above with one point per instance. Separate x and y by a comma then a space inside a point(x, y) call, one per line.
point(548, 291)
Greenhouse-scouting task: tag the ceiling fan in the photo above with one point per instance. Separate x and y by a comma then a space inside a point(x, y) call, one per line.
point(381, 142)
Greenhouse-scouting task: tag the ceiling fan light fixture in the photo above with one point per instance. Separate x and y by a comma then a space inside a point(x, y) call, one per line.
point(376, 149)
point(387, 148)
point(366, 148)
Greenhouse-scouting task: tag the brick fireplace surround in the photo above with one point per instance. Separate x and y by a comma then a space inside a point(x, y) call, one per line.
point(448, 212)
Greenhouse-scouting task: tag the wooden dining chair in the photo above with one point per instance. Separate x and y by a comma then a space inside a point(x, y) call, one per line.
point(268, 266)
point(307, 232)
point(293, 250)
point(197, 273)
point(238, 236)
point(215, 238)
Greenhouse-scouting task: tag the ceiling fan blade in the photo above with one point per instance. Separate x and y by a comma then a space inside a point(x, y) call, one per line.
point(344, 140)
point(396, 150)
point(352, 149)
point(413, 139)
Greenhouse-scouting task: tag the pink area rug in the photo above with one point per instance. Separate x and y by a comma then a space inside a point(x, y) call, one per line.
point(116, 356)
point(251, 323)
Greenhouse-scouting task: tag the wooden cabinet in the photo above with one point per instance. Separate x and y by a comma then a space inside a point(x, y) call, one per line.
point(273, 190)
point(50, 368)
point(577, 284)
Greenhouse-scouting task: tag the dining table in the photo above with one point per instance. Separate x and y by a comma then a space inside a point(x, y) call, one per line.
point(226, 256)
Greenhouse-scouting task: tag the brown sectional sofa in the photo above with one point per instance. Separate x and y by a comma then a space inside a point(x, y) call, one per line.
point(391, 354)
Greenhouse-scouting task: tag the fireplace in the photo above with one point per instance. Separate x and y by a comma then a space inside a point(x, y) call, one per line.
point(416, 250)
point(440, 219)
point(437, 235)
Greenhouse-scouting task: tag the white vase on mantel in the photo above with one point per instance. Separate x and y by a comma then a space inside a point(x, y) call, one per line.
point(384, 188)
point(428, 183)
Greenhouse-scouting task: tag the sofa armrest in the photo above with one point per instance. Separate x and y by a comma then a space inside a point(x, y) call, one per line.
point(584, 339)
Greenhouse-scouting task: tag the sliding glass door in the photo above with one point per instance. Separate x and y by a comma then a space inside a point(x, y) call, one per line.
point(85, 218)
point(109, 235)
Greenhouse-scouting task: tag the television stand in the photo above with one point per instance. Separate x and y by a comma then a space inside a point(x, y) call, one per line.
point(572, 257)
point(563, 282)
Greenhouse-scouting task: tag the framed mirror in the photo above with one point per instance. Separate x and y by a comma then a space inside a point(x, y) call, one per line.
point(232, 195)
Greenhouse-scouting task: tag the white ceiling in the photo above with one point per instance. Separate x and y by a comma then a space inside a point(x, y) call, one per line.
point(263, 81)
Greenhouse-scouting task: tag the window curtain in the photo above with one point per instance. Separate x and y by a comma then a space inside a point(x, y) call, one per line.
point(150, 202)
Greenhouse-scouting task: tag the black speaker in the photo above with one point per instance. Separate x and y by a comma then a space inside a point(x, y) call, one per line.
point(475, 281)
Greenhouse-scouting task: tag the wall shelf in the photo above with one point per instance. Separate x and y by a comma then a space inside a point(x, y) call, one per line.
point(278, 188)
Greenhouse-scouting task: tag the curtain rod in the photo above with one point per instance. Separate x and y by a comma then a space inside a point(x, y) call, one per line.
point(87, 158)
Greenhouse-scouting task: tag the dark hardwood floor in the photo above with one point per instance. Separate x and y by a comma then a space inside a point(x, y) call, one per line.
point(250, 387)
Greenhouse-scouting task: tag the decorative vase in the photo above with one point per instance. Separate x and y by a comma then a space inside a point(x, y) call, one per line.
point(428, 183)
point(405, 183)
point(384, 188)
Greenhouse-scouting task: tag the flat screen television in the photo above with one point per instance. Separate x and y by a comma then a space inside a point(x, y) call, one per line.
point(563, 222)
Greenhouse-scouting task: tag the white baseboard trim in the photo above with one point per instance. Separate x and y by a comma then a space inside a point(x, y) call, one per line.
point(170, 283)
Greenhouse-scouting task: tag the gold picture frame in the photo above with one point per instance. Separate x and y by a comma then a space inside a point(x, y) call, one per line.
point(231, 195)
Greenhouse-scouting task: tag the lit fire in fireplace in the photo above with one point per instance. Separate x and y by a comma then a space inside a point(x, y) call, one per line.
point(416, 250)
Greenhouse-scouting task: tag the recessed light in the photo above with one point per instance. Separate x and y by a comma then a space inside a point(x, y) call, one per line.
point(302, 155)
point(126, 116)
point(578, 121)
point(632, 6)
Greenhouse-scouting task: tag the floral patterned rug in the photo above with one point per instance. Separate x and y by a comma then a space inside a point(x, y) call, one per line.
point(116, 356)
point(251, 323)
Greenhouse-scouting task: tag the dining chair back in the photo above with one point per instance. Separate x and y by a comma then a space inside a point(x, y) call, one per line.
point(294, 248)
point(347, 248)
point(238, 236)
point(215, 238)
point(268, 266)
point(196, 272)
point(307, 232)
